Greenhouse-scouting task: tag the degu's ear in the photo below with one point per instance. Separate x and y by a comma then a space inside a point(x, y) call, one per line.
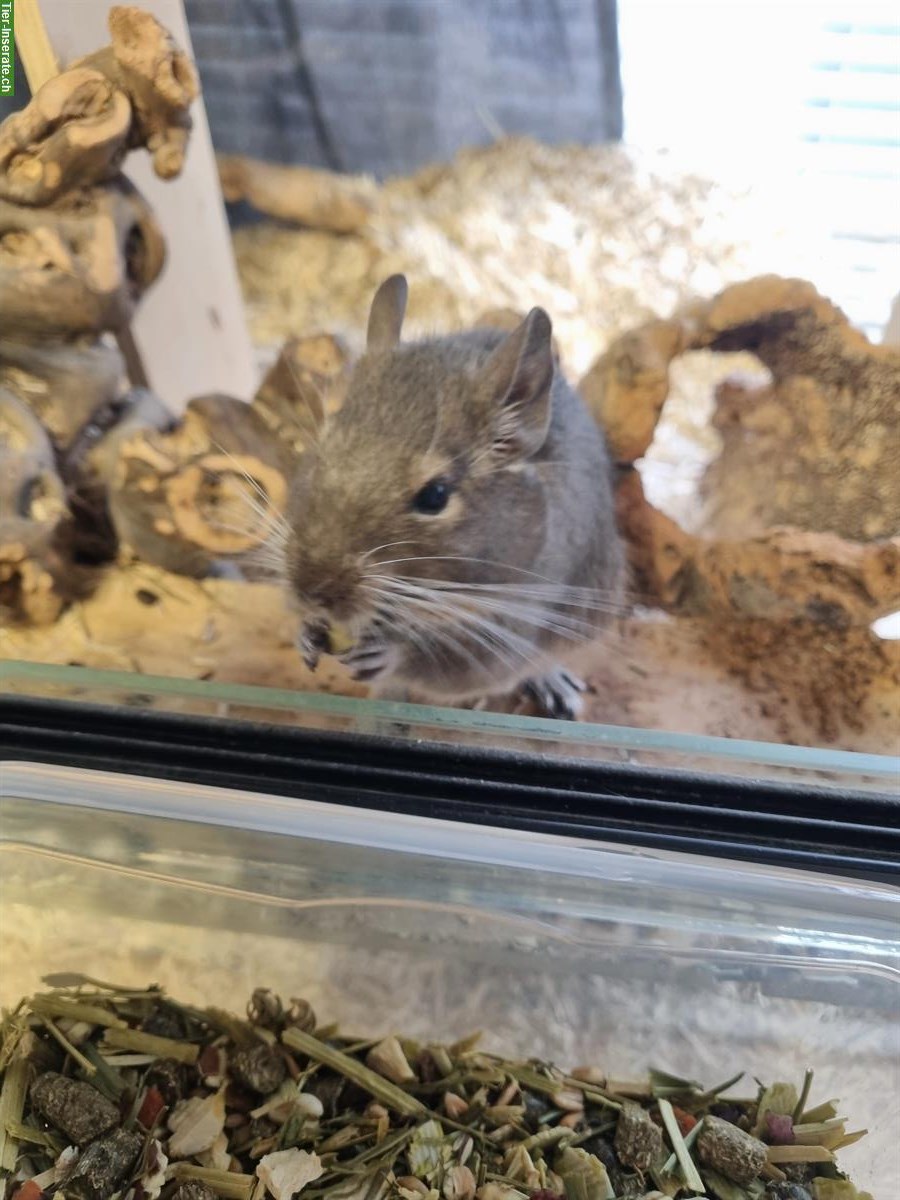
point(515, 382)
point(387, 313)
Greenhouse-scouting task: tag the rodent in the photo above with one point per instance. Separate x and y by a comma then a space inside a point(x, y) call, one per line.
point(453, 522)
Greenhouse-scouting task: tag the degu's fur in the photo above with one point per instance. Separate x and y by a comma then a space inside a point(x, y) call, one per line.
point(452, 527)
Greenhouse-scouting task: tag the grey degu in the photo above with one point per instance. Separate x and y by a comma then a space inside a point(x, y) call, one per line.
point(451, 527)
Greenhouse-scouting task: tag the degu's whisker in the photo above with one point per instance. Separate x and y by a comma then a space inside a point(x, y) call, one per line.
point(549, 589)
point(443, 632)
point(464, 558)
point(312, 426)
point(594, 593)
point(386, 546)
point(449, 632)
point(493, 637)
point(423, 635)
point(263, 527)
point(552, 596)
point(266, 506)
point(254, 483)
point(538, 616)
point(546, 594)
point(261, 545)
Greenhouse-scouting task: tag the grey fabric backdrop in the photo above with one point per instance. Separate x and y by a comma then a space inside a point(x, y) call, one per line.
point(387, 85)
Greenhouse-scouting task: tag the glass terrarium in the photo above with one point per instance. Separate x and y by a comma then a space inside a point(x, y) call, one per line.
point(615, 440)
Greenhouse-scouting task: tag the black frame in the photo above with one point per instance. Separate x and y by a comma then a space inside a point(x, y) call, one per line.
point(833, 829)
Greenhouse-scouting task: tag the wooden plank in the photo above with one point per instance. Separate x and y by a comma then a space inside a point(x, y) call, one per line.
point(191, 328)
point(33, 44)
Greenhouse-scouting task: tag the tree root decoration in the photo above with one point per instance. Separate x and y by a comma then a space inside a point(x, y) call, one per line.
point(30, 488)
point(72, 134)
point(78, 248)
point(63, 381)
point(77, 128)
point(159, 80)
point(33, 575)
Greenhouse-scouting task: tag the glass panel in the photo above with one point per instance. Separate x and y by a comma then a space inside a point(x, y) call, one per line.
point(246, 704)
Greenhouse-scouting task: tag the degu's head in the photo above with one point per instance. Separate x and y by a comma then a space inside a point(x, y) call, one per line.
point(420, 478)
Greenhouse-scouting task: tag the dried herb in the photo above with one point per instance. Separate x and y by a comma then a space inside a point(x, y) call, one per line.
point(689, 1172)
point(390, 1094)
point(109, 1092)
point(12, 1106)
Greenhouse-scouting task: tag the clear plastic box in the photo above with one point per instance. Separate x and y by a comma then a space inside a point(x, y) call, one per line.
point(568, 950)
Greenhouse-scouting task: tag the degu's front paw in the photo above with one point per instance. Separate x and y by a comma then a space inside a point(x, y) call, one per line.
point(557, 694)
point(370, 659)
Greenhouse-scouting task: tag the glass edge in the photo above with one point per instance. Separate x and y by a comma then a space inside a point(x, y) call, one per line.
point(363, 711)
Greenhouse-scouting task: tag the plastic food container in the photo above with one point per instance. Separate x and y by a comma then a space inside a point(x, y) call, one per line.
point(579, 952)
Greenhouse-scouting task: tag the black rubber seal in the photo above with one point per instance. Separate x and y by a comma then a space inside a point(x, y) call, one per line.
point(824, 828)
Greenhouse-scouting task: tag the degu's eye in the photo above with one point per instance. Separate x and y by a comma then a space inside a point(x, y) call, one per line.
point(432, 498)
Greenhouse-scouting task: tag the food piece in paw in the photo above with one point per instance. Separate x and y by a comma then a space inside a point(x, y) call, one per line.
point(321, 637)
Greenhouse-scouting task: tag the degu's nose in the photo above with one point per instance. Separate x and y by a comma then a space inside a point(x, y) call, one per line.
point(332, 590)
point(327, 592)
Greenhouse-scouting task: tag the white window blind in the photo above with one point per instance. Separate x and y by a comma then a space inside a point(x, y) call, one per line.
point(851, 144)
point(803, 97)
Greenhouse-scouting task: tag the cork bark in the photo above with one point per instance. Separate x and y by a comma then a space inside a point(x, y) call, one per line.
point(817, 447)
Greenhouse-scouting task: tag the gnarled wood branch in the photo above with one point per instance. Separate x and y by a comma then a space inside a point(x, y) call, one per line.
point(209, 487)
point(159, 80)
point(63, 382)
point(302, 195)
point(79, 267)
point(72, 134)
point(33, 573)
point(305, 382)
